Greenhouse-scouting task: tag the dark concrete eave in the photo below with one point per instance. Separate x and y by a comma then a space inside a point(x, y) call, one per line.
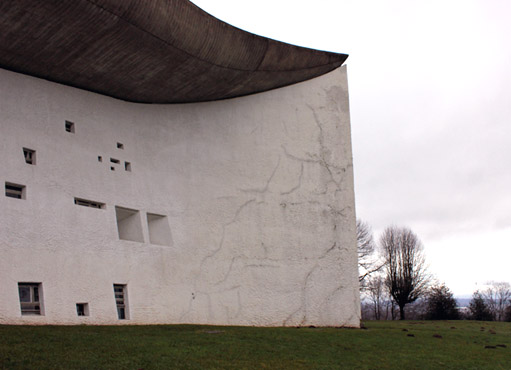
point(151, 51)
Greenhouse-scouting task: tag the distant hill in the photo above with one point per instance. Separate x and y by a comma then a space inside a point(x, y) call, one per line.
point(463, 302)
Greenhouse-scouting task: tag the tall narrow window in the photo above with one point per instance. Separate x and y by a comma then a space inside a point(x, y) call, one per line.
point(14, 190)
point(30, 298)
point(127, 166)
point(29, 155)
point(120, 301)
point(70, 127)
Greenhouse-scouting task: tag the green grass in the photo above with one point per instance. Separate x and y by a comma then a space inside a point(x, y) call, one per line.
point(384, 345)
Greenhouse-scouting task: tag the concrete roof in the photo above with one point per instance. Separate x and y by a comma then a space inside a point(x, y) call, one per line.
point(151, 51)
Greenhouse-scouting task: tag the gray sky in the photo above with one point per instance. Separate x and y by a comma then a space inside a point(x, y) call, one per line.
point(430, 97)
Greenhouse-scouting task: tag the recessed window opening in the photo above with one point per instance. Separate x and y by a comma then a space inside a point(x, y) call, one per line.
point(129, 224)
point(70, 127)
point(112, 168)
point(29, 155)
point(121, 301)
point(159, 229)
point(30, 298)
point(116, 161)
point(120, 146)
point(100, 158)
point(14, 190)
point(127, 166)
point(89, 203)
point(82, 309)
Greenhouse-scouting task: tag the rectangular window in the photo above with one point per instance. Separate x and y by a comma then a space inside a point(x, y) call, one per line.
point(159, 229)
point(116, 161)
point(70, 127)
point(82, 309)
point(127, 166)
point(14, 190)
point(89, 203)
point(29, 155)
point(120, 301)
point(129, 224)
point(30, 302)
point(100, 158)
point(120, 146)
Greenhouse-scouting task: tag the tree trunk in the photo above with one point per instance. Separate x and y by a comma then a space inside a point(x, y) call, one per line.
point(401, 312)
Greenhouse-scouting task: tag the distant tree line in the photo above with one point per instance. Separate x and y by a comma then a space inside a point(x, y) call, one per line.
point(395, 283)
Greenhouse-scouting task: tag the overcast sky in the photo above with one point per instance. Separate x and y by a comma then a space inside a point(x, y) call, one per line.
point(430, 97)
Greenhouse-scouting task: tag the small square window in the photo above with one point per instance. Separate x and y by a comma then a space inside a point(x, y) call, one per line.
point(82, 309)
point(100, 158)
point(14, 190)
point(120, 146)
point(127, 166)
point(29, 155)
point(112, 168)
point(70, 127)
point(30, 298)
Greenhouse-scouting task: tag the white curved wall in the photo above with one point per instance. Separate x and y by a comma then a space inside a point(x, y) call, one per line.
point(258, 194)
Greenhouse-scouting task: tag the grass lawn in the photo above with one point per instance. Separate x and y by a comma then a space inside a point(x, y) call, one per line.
point(384, 345)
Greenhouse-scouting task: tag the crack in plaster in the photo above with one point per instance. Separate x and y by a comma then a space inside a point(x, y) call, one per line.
point(328, 251)
point(266, 187)
point(197, 293)
point(312, 159)
point(323, 164)
point(303, 305)
point(319, 158)
point(323, 149)
point(238, 313)
point(261, 265)
point(331, 294)
point(286, 132)
point(336, 211)
point(227, 273)
point(220, 246)
point(224, 226)
point(297, 186)
point(294, 157)
point(265, 250)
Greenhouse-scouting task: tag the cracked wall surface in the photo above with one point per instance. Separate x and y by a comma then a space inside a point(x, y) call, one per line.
point(258, 193)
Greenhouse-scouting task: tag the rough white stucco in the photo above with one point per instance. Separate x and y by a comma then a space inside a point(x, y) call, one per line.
point(257, 193)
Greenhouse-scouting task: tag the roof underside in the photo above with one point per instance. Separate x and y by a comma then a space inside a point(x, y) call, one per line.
point(151, 51)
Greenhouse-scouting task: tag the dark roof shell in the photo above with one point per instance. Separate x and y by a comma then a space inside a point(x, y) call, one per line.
point(151, 51)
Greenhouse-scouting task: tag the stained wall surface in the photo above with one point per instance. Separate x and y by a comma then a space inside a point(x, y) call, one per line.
point(236, 212)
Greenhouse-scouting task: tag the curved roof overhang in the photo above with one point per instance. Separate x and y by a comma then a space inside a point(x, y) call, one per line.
point(158, 51)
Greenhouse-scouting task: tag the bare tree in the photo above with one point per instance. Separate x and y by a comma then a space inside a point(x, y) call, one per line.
point(405, 266)
point(497, 297)
point(368, 262)
point(380, 302)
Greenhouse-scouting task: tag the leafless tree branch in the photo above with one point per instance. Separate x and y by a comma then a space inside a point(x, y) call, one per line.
point(405, 266)
point(368, 262)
